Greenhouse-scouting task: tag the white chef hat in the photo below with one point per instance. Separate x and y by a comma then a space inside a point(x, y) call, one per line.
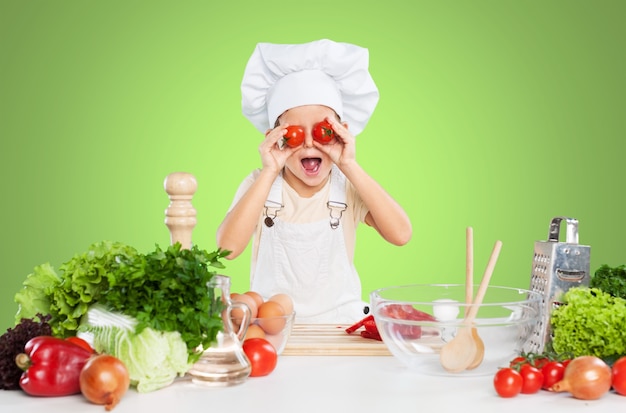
point(283, 76)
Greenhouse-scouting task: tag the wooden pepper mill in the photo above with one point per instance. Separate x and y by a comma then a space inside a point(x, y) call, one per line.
point(180, 215)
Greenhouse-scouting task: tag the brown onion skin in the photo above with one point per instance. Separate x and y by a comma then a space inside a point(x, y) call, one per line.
point(104, 380)
point(586, 378)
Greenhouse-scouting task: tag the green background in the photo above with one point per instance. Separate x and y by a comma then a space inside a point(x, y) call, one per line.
point(493, 114)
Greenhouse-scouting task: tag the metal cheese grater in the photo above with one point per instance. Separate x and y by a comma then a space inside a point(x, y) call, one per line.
point(557, 267)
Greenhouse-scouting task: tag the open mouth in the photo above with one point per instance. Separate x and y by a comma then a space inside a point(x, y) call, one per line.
point(311, 165)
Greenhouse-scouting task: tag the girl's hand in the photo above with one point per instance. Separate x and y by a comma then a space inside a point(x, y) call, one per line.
point(272, 156)
point(343, 150)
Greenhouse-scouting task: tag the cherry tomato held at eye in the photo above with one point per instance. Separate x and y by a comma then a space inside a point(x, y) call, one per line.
point(323, 132)
point(618, 377)
point(262, 355)
point(294, 136)
point(532, 379)
point(508, 382)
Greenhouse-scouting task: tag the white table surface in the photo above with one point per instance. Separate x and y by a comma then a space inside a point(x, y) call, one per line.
point(323, 384)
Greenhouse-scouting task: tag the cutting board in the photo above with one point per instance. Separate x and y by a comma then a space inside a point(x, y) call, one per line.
point(331, 340)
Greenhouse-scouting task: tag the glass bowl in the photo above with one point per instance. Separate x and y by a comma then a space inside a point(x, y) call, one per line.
point(416, 321)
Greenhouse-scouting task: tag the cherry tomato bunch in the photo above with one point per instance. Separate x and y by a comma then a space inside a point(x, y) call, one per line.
point(529, 373)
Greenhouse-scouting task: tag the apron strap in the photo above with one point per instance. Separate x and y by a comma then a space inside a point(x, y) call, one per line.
point(274, 201)
point(337, 198)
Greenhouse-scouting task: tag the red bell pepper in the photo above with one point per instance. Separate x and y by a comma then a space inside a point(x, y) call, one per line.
point(51, 366)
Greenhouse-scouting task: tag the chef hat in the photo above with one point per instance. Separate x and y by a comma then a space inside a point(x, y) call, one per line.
point(283, 76)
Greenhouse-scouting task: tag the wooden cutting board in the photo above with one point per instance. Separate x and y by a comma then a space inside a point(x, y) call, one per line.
point(331, 340)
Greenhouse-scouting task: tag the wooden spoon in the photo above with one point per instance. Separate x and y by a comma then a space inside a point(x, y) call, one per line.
point(460, 352)
point(469, 290)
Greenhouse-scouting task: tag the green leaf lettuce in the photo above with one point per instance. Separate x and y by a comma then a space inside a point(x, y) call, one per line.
point(590, 322)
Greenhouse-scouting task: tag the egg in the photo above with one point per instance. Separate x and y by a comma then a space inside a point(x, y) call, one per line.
point(445, 309)
point(254, 330)
point(284, 300)
point(271, 317)
point(237, 313)
point(258, 298)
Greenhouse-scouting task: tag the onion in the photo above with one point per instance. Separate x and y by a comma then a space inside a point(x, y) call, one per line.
point(104, 380)
point(586, 378)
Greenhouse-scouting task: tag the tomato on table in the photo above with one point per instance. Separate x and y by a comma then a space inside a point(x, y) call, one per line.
point(553, 372)
point(508, 382)
point(518, 362)
point(262, 355)
point(323, 132)
point(618, 376)
point(294, 136)
point(532, 379)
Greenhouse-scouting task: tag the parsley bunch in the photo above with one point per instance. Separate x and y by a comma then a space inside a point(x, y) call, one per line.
point(168, 290)
point(611, 280)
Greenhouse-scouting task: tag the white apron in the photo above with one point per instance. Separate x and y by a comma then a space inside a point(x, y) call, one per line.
point(309, 261)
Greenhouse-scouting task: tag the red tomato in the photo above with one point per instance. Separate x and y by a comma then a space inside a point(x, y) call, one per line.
point(294, 136)
point(619, 376)
point(518, 362)
point(532, 379)
point(540, 362)
point(552, 373)
point(80, 342)
point(508, 382)
point(323, 132)
point(262, 355)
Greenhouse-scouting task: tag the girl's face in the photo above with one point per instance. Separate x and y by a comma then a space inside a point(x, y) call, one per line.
point(308, 168)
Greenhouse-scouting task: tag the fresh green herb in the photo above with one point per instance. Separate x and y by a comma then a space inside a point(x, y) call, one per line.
point(167, 291)
point(590, 322)
point(611, 280)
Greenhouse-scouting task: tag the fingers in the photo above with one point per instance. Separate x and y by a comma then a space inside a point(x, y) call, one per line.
point(272, 155)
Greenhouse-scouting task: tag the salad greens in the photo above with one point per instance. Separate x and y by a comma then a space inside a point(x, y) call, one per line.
point(164, 292)
point(590, 322)
point(83, 279)
point(611, 280)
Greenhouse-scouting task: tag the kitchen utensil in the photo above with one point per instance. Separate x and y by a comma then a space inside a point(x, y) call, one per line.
point(469, 292)
point(460, 352)
point(557, 267)
point(504, 315)
point(330, 340)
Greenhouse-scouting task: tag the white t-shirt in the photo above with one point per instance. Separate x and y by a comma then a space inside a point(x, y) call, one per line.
point(297, 209)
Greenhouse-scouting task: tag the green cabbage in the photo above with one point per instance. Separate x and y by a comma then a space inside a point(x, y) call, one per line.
point(154, 359)
point(590, 322)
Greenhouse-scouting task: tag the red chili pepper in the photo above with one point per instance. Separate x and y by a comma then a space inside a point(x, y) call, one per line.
point(371, 331)
point(374, 335)
point(51, 366)
point(354, 327)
